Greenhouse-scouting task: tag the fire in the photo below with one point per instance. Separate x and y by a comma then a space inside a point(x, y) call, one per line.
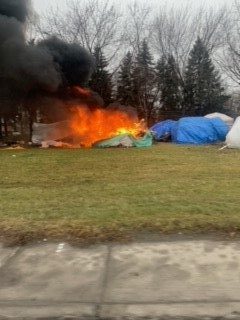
point(92, 126)
point(83, 91)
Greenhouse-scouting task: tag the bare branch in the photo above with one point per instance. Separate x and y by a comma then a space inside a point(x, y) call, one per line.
point(176, 30)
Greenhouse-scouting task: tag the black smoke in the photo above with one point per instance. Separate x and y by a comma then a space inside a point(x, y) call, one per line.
point(74, 62)
point(18, 9)
point(30, 70)
point(23, 67)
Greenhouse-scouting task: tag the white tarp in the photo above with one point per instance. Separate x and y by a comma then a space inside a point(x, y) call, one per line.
point(57, 144)
point(228, 120)
point(52, 143)
point(51, 132)
point(233, 137)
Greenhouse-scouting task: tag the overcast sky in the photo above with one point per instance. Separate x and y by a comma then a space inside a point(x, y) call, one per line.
point(43, 5)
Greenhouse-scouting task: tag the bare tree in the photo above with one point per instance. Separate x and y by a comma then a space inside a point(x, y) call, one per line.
point(176, 30)
point(230, 58)
point(138, 25)
point(91, 23)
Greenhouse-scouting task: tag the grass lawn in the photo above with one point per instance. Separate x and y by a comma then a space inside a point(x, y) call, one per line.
point(92, 195)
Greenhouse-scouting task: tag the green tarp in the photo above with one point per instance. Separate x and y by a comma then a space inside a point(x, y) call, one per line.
point(126, 140)
point(144, 142)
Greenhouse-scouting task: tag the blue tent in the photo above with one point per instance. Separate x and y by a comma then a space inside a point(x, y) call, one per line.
point(199, 130)
point(162, 129)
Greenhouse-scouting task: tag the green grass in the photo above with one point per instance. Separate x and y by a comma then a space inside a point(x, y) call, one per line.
point(108, 194)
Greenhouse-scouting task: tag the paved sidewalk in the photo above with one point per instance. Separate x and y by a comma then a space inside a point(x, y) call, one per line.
point(164, 280)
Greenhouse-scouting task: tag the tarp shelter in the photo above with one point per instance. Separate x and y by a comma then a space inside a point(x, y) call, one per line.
point(126, 140)
point(51, 132)
point(233, 137)
point(228, 120)
point(162, 130)
point(199, 130)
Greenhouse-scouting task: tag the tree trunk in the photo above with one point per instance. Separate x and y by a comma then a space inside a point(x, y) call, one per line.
point(32, 119)
point(1, 128)
point(5, 126)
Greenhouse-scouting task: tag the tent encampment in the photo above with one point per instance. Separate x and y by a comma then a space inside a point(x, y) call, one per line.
point(51, 132)
point(228, 120)
point(233, 137)
point(162, 130)
point(199, 130)
point(192, 130)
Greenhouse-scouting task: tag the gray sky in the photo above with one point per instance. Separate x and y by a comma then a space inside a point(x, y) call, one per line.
point(43, 5)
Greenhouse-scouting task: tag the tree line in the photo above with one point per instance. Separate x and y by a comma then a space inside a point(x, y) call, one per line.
point(156, 89)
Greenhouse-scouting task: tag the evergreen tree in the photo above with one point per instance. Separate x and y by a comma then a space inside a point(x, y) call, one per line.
point(169, 84)
point(101, 80)
point(124, 88)
point(144, 57)
point(203, 90)
point(144, 83)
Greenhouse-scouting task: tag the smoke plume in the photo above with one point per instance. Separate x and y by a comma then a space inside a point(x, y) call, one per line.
point(17, 9)
point(74, 62)
point(45, 67)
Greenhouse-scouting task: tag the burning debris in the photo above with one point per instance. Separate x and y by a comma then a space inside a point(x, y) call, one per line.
point(90, 127)
point(86, 127)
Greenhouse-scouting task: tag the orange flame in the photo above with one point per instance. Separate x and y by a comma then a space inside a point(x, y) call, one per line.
point(92, 126)
point(83, 91)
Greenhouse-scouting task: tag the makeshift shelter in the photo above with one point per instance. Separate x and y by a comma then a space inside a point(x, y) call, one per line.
point(143, 142)
point(233, 137)
point(126, 140)
point(199, 130)
point(44, 133)
point(228, 120)
point(122, 140)
point(162, 130)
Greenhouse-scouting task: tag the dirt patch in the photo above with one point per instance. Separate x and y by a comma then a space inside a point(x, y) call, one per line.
point(23, 233)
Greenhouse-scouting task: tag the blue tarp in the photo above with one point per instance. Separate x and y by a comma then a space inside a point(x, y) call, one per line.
point(199, 130)
point(162, 129)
